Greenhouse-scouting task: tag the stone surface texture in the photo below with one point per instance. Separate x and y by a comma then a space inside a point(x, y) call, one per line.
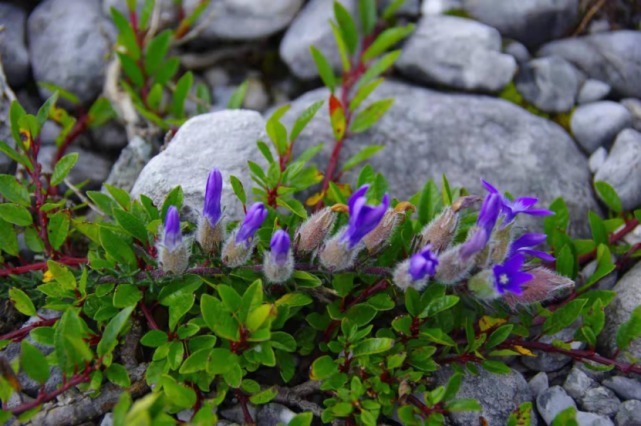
point(597, 124)
point(13, 46)
point(551, 84)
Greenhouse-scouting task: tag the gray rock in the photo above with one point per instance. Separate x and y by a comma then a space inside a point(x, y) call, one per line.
point(242, 19)
point(597, 159)
point(311, 28)
point(613, 57)
point(552, 401)
point(628, 297)
point(109, 137)
point(427, 133)
point(225, 139)
point(107, 420)
point(629, 413)
point(458, 53)
point(626, 387)
point(409, 8)
point(6, 97)
point(538, 384)
point(622, 168)
point(600, 400)
point(532, 22)
point(593, 90)
point(519, 51)
point(591, 419)
point(498, 394)
point(90, 167)
point(69, 46)
point(597, 124)
point(438, 7)
point(634, 106)
point(13, 46)
point(167, 10)
point(274, 414)
point(551, 84)
point(235, 413)
point(545, 361)
point(130, 163)
point(577, 383)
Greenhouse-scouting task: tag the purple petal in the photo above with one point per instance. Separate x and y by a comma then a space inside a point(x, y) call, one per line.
point(539, 212)
point(252, 223)
point(538, 253)
point(522, 204)
point(279, 246)
point(360, 193)
point(213, 193)
point(489, 213)
point(172, 236)
point(474, 244)
point(528, 240)
point(491, 188)
point(417, 267)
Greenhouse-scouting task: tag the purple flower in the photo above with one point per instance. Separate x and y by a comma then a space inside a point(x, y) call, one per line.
point(423, 264)
point(488, 215)
point(279, 246)
point(363, 218)
point(524, 245)
point(213, 192)
point(252, 222)
point(172, 237)
point(508, 277)
point(521, 205)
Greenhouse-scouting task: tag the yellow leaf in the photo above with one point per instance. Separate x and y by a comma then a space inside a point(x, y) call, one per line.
point(315, 199)
point(486, 322)
point(524, 351)
point(48, 276)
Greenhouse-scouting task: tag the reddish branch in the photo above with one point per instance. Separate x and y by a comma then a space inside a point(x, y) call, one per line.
point(41, 266)
point(425, 410)
point(18, 335)
point(78, 128)
point(148, 316)
point(242, 399)
point(615, 237)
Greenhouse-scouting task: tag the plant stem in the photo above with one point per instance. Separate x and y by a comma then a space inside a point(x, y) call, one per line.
point(78, 128)
point(18, 335)
point(148, 316)
point(242, 399)
point(41, 266)
point(615, 237)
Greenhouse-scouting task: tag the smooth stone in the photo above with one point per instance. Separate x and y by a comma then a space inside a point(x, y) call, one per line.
point(130, 163)
point(600, 400)
point(6, 97)
point(597, 124)
point(622, 168)
point(311, 28)
point(626, 387)
point(273, 414)
point(545, 361)
point(13, 44)
point(577, 383)
point(225, 139)
point(634, 106)
point(612, 57)
point(597, 158)
point(69, 46)
point(456, 52)
point(243, 19)
point(591, 419)
point(539, 383)
point(498, 394)
point(551, 84)
point(627, 298)
point(109, 137)
point(593, 90)
point(629, 413)
point(439, 7)
point(427, 134)
point(532, 22)
point(519, 51)
point(552, 401)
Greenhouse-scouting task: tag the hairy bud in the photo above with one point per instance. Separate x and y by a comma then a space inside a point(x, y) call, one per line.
point(452, 267)
point(482, 285)
point(440, 231)
point(544, 285)
point(173, 251)
point(417, 270)
point(314, 230)
point(337, 255)
point(278, 264)
point(500, 243)
point(380, 236)
point(236, 253)
point(210, 237)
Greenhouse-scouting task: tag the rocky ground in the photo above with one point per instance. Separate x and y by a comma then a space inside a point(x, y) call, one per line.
point(576, 64)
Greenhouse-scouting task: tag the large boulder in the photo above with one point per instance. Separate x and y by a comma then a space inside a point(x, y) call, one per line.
point(13, 46)
point(458, 53)
point(69, 46)
point(244, 19)
point(532, 22)
point(225, 139)
point(466, 137)
point(311, 28)
point(612, 57)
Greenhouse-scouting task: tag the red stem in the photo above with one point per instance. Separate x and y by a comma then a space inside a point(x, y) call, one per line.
point(41, 266)
point(242, 399)
point(18, 335)
point(78, 128)
point(627, 228)
point(151, 322)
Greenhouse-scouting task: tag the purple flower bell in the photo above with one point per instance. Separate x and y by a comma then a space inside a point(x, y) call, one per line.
point(508, 277)
point(279, 247)
point(525, 243)
point(488, 215)
point(253, 221)
point(423, 264)
point(172, 238)
point(521, 205)
point(173, 253)
point(278, 265)
point(213, 192)
point(363, 218)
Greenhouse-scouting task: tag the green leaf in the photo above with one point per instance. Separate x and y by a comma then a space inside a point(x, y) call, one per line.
point(126, 34)
point(15, 214)
point(58, 229)
point(304, 118)
point(45, 109)
point(363, 92)
point(133, 225)
point(126, 295)
point(342, 47)
point(370, 115)
point(70, 347)
point(167, 71)
point(118, 247)
point(63, 167)
point(131, 69)
point(387, 39)
point(180, 94)
point(372, 346)
point(154, 338)
point(221, 361)
point(302, 419)
point(323, 368)
point(367, 13)
point(174, 198)
point(237, 186)
point(564, 316)
point(609, 196)
point(283, 341)
point(293, 206)
point(566, 417)
point(263, 397)
point(362, 155)
point(15, 156)
point(496, 367)
point(463, 405)
point(33, 240)
point(257, 317)
point(100, 112)
point(230, 297)
point(324, 68)
point(115, 326)
point(218, 319)
point(599, 233)
point(8, 239)
point(238, 97)
point(264, 149)
point(605, 266)
point(379, 67)
point(412, 302)
point(277, 132)
point(629, 330)
point(12, 190)
point(179, 308)
point(157, 51)
point(16, 112)
point(178, 394)
point(118, 375)
point(197, 361)
point(565, 262)
point(347, 27)
point(33, 362)
point(22, 302)
point(499, 335)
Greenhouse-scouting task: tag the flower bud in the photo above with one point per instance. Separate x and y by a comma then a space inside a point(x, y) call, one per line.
point(417, 270)
point(173, 253)
point(363, 218)
point(313, 231)
point(440, 231)
point(210, 237)
point(240, 244)
point(278, 264)
point(211, 229)
point(380, 236)
point(452, 267)
point(544, 285)
point(482, 286)
point(336, 254)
